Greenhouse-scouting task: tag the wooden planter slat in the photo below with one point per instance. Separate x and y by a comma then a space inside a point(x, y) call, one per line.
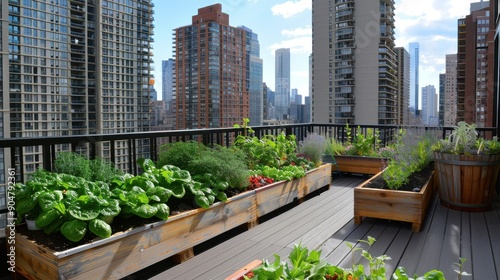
point(318, 178)
point(395, 205)
point(240, 273)
point(127, 252)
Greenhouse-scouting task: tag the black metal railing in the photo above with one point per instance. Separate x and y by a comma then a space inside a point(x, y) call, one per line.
point(209, 137)
point(148, 143)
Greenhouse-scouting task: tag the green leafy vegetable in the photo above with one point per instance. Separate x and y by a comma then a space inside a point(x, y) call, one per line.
point(74, 230)
point(100, 228)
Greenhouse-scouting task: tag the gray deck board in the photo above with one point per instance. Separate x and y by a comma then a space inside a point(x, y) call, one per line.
point(324, 222)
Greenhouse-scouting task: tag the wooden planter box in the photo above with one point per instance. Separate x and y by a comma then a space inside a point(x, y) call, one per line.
point(395, 205)
point(467, 182)
point(360, 164)
point(125, 253)
point(279, 194)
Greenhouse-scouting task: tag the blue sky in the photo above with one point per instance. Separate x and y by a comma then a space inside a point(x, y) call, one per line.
point(287, 24)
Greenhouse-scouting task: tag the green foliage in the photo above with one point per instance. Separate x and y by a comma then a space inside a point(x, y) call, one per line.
point(180, 154)
point(78, 165)
point(225, 164)
point(334, 147)
point(305, 264)
point(465, 140)
point(288, 172)
point(412, 152)
point(313, 148)
point(270, 150)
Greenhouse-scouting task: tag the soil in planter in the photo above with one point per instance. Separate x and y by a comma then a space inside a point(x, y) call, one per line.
point(416, 180)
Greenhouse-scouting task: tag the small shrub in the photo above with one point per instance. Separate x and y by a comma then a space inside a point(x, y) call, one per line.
point(74, 164)
point(224, 163)
point(313, 148)
point(180, 154)
point(78, 165)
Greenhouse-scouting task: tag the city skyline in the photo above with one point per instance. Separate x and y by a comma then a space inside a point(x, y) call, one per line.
point(287, 24)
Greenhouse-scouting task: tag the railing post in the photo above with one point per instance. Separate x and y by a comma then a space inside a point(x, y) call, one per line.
point(46, 155)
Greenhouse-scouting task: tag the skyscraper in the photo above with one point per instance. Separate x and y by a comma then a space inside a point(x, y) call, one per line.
point(403, 83)
point(354, 64)
point(450, 91)
point(167, 76)
point(414, 80)
point(76, 68)
point(211, 85)
point(429, 106)
point(282, 82)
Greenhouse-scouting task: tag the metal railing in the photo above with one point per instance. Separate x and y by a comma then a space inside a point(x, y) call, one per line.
point(141, 143)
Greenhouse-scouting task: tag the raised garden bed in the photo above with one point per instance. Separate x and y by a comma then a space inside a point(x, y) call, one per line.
point(359, 164)
point(134, 249)
point(399, 205)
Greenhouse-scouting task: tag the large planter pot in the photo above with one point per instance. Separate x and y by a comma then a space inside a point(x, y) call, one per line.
point(359, 164)
point(398, 205)
point(274, 196)
point(467, 182)
point(127, 252)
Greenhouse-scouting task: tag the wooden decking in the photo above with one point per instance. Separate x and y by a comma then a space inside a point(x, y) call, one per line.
point(325, 222)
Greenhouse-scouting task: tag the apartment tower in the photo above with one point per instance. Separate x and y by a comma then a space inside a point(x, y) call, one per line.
point(282, 83)
point(403, 85)
point(450, 91)
point(354, 63)
point(76, 67)
point(211, 84)
point(475, 66)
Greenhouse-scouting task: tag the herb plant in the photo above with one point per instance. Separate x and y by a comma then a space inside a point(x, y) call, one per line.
point(305, 264)
point(97, 169)
point(465, 140)
point(313, 148)
point(412, 152)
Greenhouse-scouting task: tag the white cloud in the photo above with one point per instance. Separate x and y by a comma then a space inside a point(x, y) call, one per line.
point(291, 8)
point(301, 31)
point(299, 45)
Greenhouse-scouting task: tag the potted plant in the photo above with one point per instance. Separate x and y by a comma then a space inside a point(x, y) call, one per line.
point(467, 167)
point(402, 191)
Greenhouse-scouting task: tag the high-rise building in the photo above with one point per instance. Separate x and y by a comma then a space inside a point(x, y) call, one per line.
point(255, 69)
point(450, 91)
point(414, 78)
point(211, 85)
point(403, 85)
point(429, 106)
point(74, 68)
point(442, 81)
point(475, 66)
point(167, 76)
point(354, 64)
point(495, 17)
point(282, 83)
